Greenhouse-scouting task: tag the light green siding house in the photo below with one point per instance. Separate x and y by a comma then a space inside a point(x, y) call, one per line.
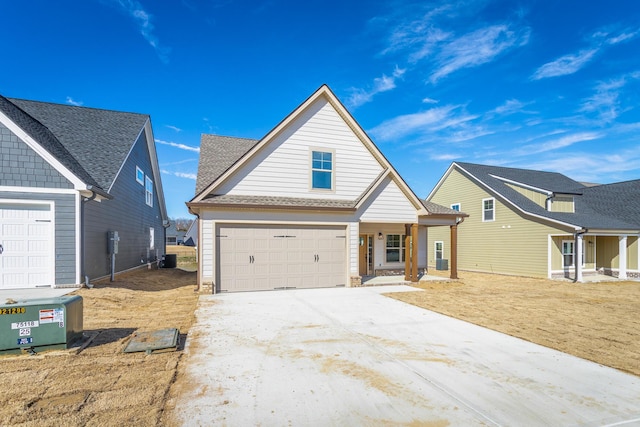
point(538, 224)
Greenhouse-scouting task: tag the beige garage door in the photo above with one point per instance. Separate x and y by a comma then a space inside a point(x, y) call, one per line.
point(255, 258)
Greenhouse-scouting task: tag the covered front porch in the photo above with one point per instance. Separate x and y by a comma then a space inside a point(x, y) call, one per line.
point(600, 254)
point(400, 250)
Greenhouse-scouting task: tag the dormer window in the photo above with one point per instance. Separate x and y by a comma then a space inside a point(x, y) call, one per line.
point(321, 170)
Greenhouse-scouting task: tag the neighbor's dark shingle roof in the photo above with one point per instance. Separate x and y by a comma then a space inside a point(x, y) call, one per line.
point(217, 154)
point(98, 140)
point(590, 212)
point(43, 135)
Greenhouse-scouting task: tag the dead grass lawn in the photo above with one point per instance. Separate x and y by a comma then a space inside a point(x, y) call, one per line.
point(595, 321)
point(101, 385)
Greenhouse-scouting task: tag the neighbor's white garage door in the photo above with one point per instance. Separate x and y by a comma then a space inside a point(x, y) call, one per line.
point(26, 243)
point(270, 257)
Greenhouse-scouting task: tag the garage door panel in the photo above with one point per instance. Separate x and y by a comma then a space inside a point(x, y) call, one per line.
point(26, 235)
point(269, 257)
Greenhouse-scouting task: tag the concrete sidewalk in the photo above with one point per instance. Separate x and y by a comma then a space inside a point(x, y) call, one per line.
point(33, 293)
point(354, 357)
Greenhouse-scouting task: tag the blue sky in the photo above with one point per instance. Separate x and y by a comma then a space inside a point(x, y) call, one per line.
point(550, 85)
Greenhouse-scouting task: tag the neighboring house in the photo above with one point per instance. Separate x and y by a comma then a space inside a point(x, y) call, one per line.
point(314, 203)
point(533, 223)
point(70, 175)
point(191, 237)
point(174, 236)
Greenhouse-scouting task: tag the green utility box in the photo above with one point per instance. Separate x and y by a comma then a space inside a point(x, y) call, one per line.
point(40, 324)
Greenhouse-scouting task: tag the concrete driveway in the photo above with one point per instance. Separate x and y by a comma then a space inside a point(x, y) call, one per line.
point(353, 357)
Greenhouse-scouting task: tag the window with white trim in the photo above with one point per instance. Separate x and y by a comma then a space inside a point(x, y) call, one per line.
point(456, 207)
point(321, 170)
point(148, 190)
point(488, 210)
point(438, 249)
point(395, 248)
point(139, 176)
point(567, 253)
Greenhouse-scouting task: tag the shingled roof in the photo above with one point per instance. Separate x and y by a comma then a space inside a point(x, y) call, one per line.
point(217, 155)
point(45, 138)
point(595, 207)
point(92, 143)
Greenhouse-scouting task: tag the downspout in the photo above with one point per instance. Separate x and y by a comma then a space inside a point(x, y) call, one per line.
point(547, 202)
point(95, 192)
point(82, 236)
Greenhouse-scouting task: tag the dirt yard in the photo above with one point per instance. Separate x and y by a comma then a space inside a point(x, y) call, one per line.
point(101, 385)
point(595, 321)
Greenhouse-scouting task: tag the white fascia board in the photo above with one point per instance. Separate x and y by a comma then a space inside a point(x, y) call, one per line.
point(518, 208)
point(259, 146)
point(441, 181)
point(520, 184)
point(78, 184)
point(38, 190)
point(364, 197)
point(151, 144)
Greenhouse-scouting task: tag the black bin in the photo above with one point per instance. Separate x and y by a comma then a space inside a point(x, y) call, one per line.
point(170, 261)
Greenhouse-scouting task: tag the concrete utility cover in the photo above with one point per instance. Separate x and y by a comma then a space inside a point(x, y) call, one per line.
point(354, 357)
point(152, 340)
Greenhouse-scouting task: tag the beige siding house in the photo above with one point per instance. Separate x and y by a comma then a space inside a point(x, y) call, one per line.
point(312, 204)
point(539, 224)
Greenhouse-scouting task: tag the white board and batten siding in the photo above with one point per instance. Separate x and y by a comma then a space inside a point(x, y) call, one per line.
point(282, 169)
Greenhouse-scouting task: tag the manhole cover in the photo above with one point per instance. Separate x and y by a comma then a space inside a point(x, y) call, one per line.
point(153, 340)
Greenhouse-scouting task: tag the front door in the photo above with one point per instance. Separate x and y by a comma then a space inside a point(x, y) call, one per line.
point(366, 255)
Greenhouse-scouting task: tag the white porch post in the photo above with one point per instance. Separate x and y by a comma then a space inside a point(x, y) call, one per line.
point(578, 258)
point(622, 257)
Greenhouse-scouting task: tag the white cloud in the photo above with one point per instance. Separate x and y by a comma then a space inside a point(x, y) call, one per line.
point(401, 126)
point(180, 174)
point(180, 146)
point(73, 102)
point(143, 21)
point(511, 106)
point(606, 98)
point(557, 143)
point(476, 48)
point(381, 84)
point(429, 101)
point(567, 64)
point(177, 129)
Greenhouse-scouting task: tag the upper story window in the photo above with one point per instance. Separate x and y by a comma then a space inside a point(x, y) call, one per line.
point(139, 176)
point(488, 210)
point(321, 170)
point(456, 207)
point(148, 190)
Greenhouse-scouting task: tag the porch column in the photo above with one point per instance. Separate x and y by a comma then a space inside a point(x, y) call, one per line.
point(454, 252)
point(577, 261)
point(622, 257)
point(414, 252)
point(407, 252)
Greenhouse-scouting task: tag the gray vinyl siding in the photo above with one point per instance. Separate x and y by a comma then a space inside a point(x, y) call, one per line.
point(20, 166)
point(65, 232)
point(129, 215)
